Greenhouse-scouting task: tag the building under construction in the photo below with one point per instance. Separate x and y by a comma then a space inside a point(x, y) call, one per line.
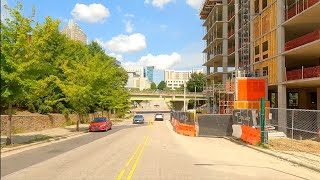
point(275, 40)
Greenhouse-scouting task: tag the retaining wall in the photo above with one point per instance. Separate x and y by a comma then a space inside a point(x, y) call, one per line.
point(37, 122)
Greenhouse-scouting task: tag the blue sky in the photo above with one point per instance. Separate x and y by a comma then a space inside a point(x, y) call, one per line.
point(164, 33)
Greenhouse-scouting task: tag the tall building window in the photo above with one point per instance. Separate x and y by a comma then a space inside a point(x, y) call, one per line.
point(264, 3)
point(257, 73)
point(257, 50)
point(265, 71)
point(256, 6)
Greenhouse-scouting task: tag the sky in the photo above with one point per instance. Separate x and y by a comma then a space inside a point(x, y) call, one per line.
point(166, 34)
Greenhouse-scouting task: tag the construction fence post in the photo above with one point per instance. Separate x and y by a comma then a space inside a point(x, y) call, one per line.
point(262, 122)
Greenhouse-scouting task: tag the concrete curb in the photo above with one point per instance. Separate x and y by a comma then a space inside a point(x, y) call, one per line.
point(41, 142)
point(314, 168)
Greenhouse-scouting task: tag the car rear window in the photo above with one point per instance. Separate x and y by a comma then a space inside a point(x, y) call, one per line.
point(99, 119)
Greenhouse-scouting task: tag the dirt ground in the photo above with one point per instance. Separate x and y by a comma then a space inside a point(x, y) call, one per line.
point(285, 144)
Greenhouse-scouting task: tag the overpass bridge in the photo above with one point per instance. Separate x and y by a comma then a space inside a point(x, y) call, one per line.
point(176, 99)
point(167, 96)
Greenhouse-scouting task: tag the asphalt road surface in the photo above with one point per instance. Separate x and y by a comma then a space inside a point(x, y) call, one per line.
point(148, 151)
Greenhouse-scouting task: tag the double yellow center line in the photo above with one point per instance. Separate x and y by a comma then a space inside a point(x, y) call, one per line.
point(146, 139)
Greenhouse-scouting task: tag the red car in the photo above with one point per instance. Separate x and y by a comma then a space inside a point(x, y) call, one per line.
point(100, 124)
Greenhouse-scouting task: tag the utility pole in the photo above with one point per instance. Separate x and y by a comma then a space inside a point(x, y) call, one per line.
point(184, 96)
point(195, 97)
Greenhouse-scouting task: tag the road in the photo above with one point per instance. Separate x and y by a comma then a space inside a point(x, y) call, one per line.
point(150, 151)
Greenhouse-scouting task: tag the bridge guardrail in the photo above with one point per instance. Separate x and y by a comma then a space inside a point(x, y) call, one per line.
point(164, 92)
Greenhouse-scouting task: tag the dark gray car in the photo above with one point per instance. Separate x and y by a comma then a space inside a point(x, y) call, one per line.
point(138, 119)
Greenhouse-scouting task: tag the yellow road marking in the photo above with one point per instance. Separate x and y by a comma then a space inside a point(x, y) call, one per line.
point(121, 174)
point(129, 161)
point(150, 123)
point(135, 152)
point(137, 160)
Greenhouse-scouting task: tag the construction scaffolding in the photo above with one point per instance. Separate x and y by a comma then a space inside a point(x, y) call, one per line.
point(222, 98)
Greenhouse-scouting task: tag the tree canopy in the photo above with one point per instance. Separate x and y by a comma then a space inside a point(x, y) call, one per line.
point(44, 71)
point(162, 85)
point(153, 86)
point(196, 82)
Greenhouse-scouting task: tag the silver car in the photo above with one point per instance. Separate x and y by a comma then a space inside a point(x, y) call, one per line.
point(138, 119)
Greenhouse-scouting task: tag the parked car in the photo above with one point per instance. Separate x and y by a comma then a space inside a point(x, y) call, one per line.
point(138, 119)
point(100, 124)
point(158, 117)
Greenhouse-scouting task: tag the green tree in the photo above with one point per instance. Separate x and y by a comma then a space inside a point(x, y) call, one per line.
point(153, 86)
point(180, 89)
point(196, 82)
point(46, 72)
point(162, 85)
point(16, 59)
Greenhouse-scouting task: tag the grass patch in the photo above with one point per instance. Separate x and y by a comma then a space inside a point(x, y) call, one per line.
point(37, 139)
point(264, 146)
point(116, 121)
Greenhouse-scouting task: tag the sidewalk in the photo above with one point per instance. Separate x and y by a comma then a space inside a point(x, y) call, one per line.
point(308, 160)
point(44, 135)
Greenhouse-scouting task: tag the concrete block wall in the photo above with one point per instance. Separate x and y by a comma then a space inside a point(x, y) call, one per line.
point(29, 123)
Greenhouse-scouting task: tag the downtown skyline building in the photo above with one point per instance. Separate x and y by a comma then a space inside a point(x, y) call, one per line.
point(73, 31)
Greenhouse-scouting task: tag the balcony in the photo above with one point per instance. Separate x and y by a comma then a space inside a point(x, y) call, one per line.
point(298, 7)
point(303, 73)
point(308, 38)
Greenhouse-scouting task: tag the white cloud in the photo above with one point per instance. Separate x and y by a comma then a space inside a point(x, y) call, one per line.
point(162, 61)
point(118, 57)
point(196, 4)
point(125, 43)
point(92, 13)
point(158, 3)
point(129, 26)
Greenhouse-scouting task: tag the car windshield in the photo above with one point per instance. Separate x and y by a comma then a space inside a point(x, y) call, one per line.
point(138, 116)
point(99, 120)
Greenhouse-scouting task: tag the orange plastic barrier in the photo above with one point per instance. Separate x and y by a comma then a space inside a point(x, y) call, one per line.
point(185, 129)
point(250, 135)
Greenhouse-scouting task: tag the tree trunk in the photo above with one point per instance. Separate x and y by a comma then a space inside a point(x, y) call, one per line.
point(8, 140)
point(78, 122)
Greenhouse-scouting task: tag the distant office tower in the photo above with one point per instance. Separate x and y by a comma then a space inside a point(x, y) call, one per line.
point(148, 73)
point(136, 79)
point(73, 31)
point(175, 79)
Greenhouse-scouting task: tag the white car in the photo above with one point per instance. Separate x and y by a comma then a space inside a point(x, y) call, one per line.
point(158, 117)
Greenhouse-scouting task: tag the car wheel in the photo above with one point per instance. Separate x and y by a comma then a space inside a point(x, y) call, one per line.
point(110, 128)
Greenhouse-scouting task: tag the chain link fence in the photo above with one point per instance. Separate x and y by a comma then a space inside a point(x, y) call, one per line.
point(296, 132)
